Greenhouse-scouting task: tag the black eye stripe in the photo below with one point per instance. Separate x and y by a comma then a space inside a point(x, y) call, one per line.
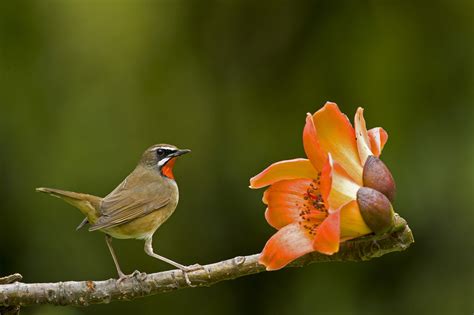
point(161, 152)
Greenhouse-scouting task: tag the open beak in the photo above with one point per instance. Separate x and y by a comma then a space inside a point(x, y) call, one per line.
point(181, 152)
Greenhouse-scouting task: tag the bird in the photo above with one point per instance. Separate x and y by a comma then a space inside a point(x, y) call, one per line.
point(137, 207)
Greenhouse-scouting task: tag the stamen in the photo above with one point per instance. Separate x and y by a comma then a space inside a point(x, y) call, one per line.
point(313, 211)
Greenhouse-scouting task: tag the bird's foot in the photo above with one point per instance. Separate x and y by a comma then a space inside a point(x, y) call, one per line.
point(188, 269)
point(122, 277)
point(136, 274)
point(192, 268)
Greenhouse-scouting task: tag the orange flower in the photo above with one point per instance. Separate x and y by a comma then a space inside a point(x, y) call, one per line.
point(313, 202)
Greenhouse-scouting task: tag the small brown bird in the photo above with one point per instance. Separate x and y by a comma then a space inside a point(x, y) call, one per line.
point(137, 207)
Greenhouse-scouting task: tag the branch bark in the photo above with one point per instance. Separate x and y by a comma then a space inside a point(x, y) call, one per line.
point(10, 309)
point(83, 293)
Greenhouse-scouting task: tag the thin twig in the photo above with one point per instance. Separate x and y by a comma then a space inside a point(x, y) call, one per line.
point(83, 293)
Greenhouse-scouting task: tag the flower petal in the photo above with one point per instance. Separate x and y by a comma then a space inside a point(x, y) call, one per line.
point(327, 237)
point(285, 199)
point(313, 150)
point(363, 142)
point(326, 180)
point(352, 223)
point(283, 170)
point(378, 137)
point(286, 245)
point(342, 188)
point(336, 136)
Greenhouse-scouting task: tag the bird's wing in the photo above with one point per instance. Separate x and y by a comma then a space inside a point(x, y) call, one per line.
point(126, 204)
point(83, 223)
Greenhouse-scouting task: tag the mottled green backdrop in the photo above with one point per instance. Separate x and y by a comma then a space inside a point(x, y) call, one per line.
point(86, 86)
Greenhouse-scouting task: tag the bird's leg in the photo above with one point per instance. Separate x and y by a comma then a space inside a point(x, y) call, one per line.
point(108, 239)
point(184, 269)
point(149, 251)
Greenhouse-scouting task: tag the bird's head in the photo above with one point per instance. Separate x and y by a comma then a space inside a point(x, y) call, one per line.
point(163, 157)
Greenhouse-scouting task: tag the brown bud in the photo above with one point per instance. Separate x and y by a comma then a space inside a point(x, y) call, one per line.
point(376, 175)
point(376, 210)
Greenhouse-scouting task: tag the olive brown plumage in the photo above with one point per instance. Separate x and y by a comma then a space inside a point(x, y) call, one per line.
point(137, 207)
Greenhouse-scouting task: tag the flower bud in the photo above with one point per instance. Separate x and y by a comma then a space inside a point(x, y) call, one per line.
point(376, 210)
point(376, 175)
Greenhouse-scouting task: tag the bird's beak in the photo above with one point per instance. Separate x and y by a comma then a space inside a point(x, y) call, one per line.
point(181, 152)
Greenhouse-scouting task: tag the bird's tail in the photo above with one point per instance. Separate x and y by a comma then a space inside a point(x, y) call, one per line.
point(89, 205)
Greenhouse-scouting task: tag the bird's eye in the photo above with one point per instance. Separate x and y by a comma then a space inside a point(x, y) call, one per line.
point(160, 152)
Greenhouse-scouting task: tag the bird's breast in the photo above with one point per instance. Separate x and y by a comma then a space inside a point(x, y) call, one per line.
point(144, 227)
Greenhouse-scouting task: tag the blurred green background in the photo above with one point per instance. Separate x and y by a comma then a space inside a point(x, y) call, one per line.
point(86, 86)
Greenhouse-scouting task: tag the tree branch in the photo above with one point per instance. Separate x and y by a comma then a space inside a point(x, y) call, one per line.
point(10, 309)
point(83, 293)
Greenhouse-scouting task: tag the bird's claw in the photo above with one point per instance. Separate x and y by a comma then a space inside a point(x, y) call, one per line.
point(136, 274)
point(192, 268)
point(121, 278)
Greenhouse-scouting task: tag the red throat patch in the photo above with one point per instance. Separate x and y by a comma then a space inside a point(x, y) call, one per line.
point(167, 169)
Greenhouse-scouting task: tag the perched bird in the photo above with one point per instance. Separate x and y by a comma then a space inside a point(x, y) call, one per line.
point(137, 207)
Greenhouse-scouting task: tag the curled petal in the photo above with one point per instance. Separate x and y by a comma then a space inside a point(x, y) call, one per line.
point(363, 141)
point(327, 236)
point(378, 137)
point(286, 245)
point(284, 200)
point(352, 223)
point(326, 180)
point(336, 136)
point(284, 170)
point(313, 150)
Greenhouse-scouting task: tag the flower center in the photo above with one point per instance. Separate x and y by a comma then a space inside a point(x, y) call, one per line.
point(313, 210)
